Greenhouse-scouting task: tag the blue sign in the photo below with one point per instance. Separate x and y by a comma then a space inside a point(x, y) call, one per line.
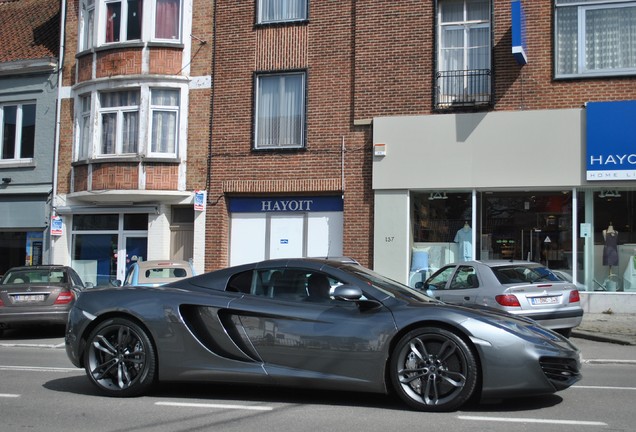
point(518, 18)
point(611, 140)
point(286, 204)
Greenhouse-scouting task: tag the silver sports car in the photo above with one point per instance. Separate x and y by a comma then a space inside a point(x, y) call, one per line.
point(315, 323)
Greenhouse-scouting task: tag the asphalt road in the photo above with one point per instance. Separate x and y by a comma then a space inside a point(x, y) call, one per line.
point(41, 391)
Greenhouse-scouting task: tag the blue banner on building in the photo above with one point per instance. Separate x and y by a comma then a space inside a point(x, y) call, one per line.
point(519, 45)
point(611, 140)
point(286, 204)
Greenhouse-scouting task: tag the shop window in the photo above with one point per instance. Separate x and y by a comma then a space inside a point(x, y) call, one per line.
point(595, 37)
point(17, 129)
point(280, 111)
point(464, 59)
point(275, 11)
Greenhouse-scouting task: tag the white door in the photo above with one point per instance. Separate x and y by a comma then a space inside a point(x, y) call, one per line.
point(286, 236)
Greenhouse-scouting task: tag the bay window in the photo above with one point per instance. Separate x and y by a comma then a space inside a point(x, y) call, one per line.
point(139, 121)
point(17, 129)
point(272, 11)
point(280, 110)
point(116, 21)
point(595, 37)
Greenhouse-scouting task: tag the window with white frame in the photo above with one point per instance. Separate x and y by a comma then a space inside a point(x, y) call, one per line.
point(595, 37)
point(164, 107)
point(464, 27)
point(115, 21)
point(84, 126)
point(273, 11)
point(129, 122)
point(280, 110)
point(119, 122)
point(87, 25)
point(123, 20)
point(17, 129)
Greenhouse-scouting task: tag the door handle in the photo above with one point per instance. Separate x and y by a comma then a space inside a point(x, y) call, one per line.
point(466, 298)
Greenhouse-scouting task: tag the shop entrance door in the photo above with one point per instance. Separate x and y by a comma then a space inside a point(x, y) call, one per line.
point(136, 248)
point(286, 236)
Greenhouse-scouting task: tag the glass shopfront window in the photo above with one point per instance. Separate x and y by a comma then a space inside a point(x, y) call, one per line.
point(105, 244)
point(530, 225)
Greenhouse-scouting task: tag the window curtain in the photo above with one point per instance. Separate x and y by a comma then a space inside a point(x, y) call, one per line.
point(109, 133)
point(130, 132)
point(113, 21)
point(567, 40)
point(280, 111)
point(167, 19)
point(610, 38)
point(129, 118)
point(164, 122)
point(283, 10)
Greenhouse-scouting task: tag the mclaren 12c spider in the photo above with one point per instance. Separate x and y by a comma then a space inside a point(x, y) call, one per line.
point(317, 323)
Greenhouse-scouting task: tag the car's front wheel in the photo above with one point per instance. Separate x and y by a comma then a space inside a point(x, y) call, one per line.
point(433, 369)
point(120, 359)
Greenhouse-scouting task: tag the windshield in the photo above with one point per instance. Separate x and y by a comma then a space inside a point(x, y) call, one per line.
point(387, 286)
point(524, 273)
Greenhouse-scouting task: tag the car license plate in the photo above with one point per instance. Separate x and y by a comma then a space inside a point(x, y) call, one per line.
point(544, 300)
point(26, 298)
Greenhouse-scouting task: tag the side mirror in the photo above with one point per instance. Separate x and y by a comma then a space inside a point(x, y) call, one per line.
point(89, 285)
point(347, 293)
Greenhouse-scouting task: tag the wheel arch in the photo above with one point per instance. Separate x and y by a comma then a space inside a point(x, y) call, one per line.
point(112, 315)
point(438, 324)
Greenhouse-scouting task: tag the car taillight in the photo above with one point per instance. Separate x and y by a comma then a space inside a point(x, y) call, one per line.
point(65, 297)
point(574, 296)
point(1, 303)
point(508, 300)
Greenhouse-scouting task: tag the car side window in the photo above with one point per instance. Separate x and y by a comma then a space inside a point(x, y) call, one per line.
point(440, 278)
point(465, 278)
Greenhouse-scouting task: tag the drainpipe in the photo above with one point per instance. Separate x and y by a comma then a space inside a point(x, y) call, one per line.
point(58, 116)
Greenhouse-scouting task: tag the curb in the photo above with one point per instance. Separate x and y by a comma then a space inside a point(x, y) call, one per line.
point(599, 337)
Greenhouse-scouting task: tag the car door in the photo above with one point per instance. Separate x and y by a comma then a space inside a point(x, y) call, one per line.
point(437, 285)
point(325, 339)
point(463, 287)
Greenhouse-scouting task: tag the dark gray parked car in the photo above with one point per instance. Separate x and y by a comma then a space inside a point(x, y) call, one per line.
point(41, 294)
point(521, 288)
point(315, 323)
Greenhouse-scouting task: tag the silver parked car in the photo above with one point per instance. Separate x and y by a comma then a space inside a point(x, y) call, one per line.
point(316, 324)
point(519, 287)
point(157, 272)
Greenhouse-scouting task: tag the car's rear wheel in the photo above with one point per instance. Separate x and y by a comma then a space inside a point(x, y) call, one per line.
point(120, 359)
point(433, 369)
point(567, 332)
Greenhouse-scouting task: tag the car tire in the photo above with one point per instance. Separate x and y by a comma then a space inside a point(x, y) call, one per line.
point(120, 359)
point(433, 369)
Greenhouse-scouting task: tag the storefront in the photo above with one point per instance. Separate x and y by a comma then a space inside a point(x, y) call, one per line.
point(508, 185)
point(285, 227)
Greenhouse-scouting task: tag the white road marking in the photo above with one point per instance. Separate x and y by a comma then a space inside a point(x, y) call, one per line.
point(37, 369)
point(531, 420)
point(603, 387)
point(9, 395)
point(218, 406)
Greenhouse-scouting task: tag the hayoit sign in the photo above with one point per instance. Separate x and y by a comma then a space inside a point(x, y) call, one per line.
point(611, 140)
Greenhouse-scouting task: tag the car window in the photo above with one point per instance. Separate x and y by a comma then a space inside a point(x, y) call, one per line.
point(523, 274)
point(129, 275)
point(290, 284)
point(465, 277)
point(440, 278)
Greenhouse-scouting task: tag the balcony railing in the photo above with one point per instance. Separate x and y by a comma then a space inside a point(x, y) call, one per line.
point(462, 89)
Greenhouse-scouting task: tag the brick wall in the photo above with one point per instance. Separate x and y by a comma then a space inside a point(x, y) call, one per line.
point(323, 48)
point(161, 176)
point(115, 176)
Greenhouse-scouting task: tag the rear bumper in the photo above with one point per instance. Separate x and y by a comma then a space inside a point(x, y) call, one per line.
point(569, 318)
point(10, 319)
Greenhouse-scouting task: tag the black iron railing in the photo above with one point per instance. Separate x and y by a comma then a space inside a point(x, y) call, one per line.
point(462, 88)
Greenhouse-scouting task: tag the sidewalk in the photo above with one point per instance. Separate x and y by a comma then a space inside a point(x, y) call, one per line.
point(614, 328)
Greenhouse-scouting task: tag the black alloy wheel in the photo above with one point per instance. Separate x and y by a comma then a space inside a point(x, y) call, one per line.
point(433, 369)
point(120, 359)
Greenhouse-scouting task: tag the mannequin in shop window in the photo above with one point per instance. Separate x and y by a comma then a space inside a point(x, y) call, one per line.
point(464, 239)
point(610, 249)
